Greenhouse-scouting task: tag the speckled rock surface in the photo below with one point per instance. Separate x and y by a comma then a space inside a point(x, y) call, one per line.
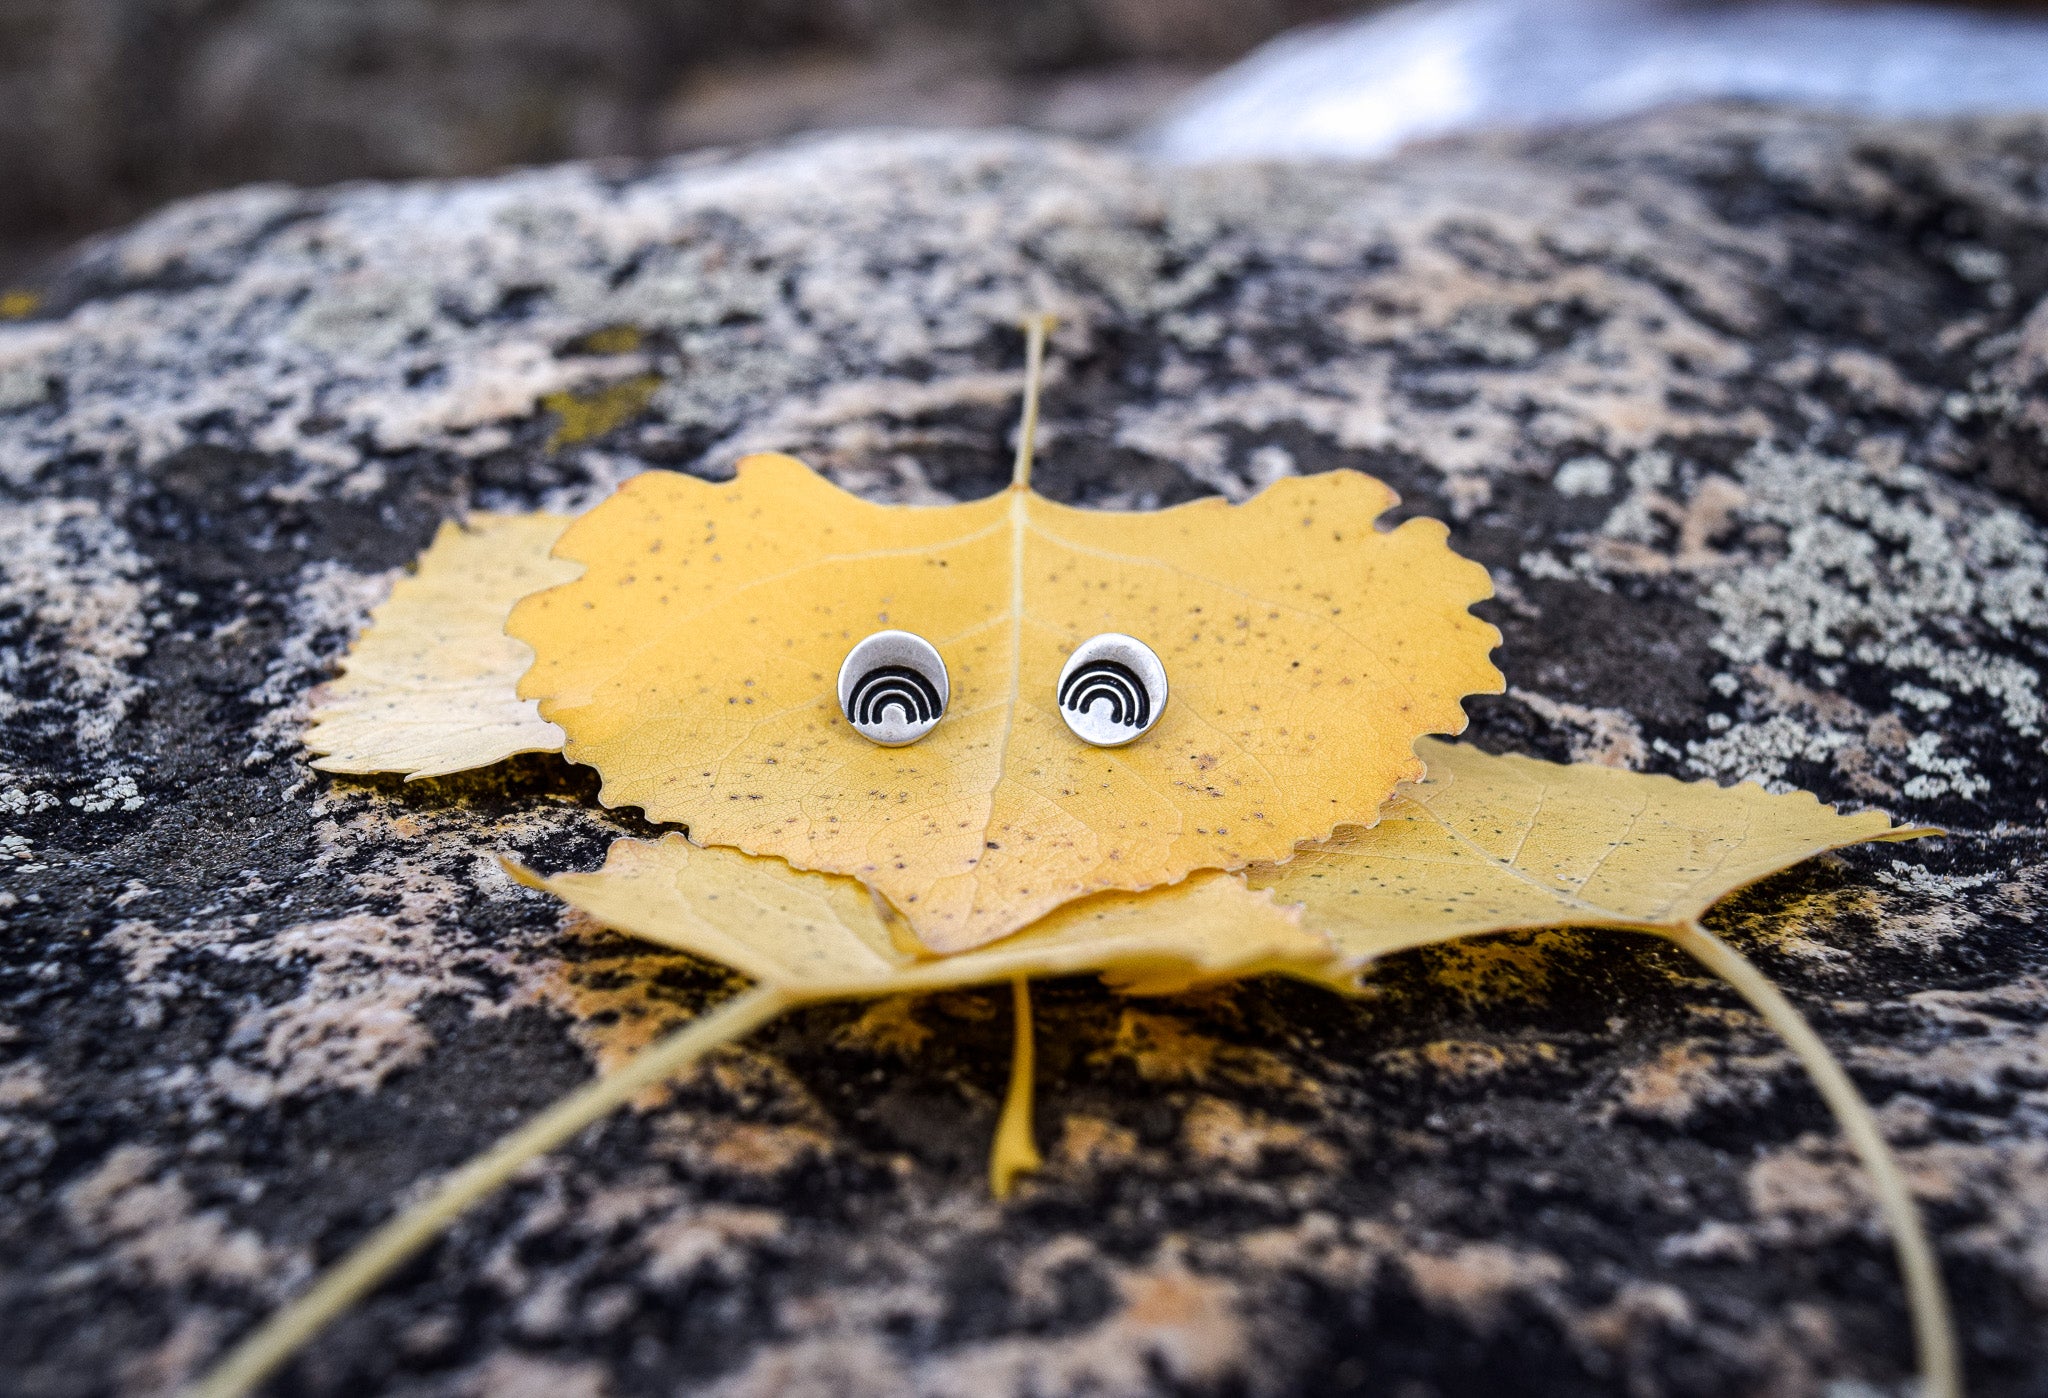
point(1748, 414)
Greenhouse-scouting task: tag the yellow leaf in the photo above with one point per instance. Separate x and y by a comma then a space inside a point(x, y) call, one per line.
point(693, 665)
point(431, 686)
point(1489, 844)
point(812, 936)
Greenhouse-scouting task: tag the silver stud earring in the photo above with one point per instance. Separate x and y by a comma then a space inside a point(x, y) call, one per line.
point(1112, 690)
point(893, 688)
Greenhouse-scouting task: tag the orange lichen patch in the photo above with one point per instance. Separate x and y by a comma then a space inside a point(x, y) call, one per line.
point(753, 1148)
point(1802, 1183)
point(615, 1004)
point(1164, 1049)
point(1502, 969)
point(1465, 1060)
point(693, 666)
point(18, 303)
point(1092, 1142)
point(1188, 1323)
point(1462, 1058)
point(1222, 1133)
point(1477, 1280)
point(1674, 1085)
point(890, 1026)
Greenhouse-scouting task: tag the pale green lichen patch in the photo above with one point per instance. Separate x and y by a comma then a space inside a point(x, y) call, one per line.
point(1835, 567)
point(1878, 571)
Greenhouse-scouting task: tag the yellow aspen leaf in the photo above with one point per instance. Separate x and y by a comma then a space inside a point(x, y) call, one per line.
point(1492, 844)
point(812, 936)
point(431, 686)
point(693, 666)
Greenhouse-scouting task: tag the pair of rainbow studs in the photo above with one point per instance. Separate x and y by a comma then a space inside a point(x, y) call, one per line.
point(893, 689)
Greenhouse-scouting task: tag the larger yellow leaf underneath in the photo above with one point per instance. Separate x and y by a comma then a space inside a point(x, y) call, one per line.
point(821, 936)
point(693, 666)
point(1493, 844)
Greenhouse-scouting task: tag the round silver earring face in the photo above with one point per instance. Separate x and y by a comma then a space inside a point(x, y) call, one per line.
point(1112, 690)
point(893, 688)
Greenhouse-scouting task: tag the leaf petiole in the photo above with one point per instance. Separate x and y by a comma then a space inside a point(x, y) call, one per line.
point(1014, 1152)
point(1926, 1297)
point(1036, 328)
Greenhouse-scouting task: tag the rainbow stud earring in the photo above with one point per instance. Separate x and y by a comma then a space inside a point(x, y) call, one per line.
point(1112, 690)
point(893, 688)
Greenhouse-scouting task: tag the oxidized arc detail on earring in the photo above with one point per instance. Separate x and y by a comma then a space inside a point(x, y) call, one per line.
point(893, 688)
point(1112, 690)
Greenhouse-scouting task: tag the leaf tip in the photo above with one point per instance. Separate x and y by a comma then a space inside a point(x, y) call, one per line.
point(1900, 833)
point(522, 875)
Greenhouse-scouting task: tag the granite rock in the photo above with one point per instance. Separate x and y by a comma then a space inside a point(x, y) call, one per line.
point(1747, 412)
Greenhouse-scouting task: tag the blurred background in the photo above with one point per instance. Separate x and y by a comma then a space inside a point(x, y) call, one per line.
point(109, 108)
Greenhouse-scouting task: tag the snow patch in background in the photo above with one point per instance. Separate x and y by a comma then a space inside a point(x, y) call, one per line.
point(1364, 87)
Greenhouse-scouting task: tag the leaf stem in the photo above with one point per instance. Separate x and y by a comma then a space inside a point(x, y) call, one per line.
point(374, 1259)
point(1036, 328)
point(1015, 1152)
point(1926, 1298)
